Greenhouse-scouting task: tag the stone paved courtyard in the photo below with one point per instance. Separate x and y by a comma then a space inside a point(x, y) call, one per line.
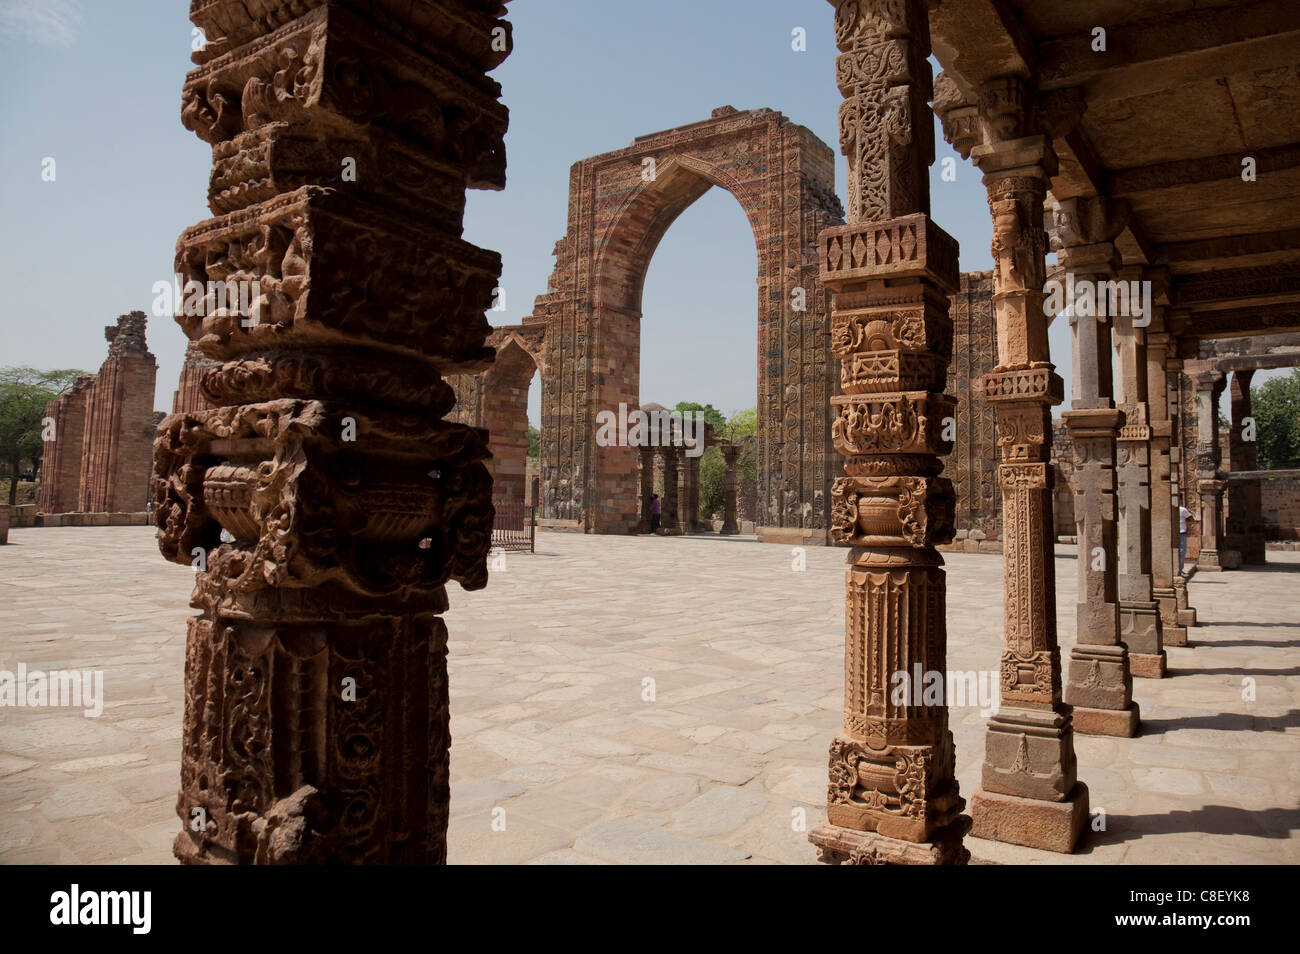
point(552, 720)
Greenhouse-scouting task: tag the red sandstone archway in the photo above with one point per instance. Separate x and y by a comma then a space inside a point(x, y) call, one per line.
point(620, 205)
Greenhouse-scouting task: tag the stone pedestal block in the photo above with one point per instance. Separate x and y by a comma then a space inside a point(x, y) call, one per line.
point(1049, 826)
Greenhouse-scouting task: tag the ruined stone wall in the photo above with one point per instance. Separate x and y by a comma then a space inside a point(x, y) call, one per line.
point(497, 399)
point(188, 396)
point(61, 459)
point(1280, 505)
point(117, 446)
point(972, 466)
point(620, 205)
point(102, 452)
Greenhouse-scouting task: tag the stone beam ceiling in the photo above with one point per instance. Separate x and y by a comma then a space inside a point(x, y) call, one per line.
point(1183, 93)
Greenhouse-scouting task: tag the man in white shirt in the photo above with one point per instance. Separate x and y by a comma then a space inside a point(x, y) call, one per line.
point(1183, 514)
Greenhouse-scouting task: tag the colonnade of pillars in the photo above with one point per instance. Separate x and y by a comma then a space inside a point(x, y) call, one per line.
point(1232, 532)
point(308, 590)
point(892, 796)
point(680, 504)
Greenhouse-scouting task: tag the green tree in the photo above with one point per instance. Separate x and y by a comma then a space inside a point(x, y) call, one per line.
point(1275, 406)
point(24, 392)
point(712, 415)
point(742, 424)
point(534, 442)
point(713, 467)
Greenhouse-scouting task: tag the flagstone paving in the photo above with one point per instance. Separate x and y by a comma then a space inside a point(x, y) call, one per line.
point(665, 700)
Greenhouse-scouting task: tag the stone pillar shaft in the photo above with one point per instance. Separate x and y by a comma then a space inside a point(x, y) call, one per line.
point(893, 795)
point(1100, 683)
point(683, 512)
point(668, 522)
point(1244, 524)
point(1139, 613)
point(1164, 511)
point(322, 496)
point(730, 458)
point(1210, 483)
point(1029, 791)
point(647, 486)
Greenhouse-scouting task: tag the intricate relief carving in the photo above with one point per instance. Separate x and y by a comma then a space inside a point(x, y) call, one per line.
point(892, 511)
point(892, 423)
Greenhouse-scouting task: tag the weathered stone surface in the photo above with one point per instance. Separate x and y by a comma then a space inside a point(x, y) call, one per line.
point(893, 795)
point(319, 492)
point(1034, 822)
point(100, 456)
point(588, 324)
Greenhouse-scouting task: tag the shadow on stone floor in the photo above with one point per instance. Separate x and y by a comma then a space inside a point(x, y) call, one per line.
point(1266, 643)
point(1225, 721)
point(1230, 671)
point(1210, 820)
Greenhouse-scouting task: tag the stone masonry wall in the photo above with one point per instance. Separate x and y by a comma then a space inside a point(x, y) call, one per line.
point(61, 459)
point(102, 452)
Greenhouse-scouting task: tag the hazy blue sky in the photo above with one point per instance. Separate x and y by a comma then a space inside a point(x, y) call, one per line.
point(96, 86)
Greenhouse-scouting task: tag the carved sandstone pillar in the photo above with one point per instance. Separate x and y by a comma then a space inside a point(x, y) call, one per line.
point(730, 458)
point(893, 796)
point(1139, 613)
point(683, 510)
point(316, 715)
point(1029, 791)
point(1100, 685)
point(647, 486)
point(1210, 483)
point(668, 511)
point(1244, 522)
point(1164, 509)
point(1181, 398)
point(693, 495)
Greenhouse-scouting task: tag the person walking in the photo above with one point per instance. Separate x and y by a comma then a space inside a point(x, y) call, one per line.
point(655, 508)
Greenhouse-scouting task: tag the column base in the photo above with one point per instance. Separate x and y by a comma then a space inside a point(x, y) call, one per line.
point(1029, 753)
point(848, 846)
point(1033, 822)
point(1149, 665)
point(1186, 614)
point(1140, 625)
point(1122, 723)
point(1175, 635)
point(1215, 561)
point(729, 529)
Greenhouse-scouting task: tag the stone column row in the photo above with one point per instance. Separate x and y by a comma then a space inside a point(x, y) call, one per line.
point(1029, 792)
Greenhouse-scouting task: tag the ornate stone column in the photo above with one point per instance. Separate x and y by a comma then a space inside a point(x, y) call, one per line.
point(1139, 613)
point(316, 713)
point(693, 496)
point(1244, 523)
point(1029, 792)
point(683, 490)
point(1183, 493)
point(730, 458)
point(1100, 685)
point(647, 486)
point(668, 521)
point(1210, 483)
point(893, 795)
point(1164, 511)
